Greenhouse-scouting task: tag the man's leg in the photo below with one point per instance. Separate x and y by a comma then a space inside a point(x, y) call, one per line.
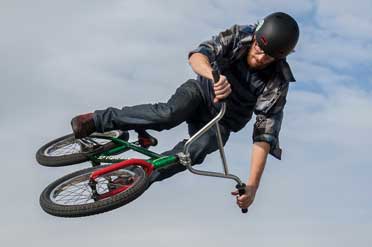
point(206, 144)
point(179, 108)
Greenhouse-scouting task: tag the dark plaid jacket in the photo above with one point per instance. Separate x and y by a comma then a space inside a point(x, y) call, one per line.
point(226, 48)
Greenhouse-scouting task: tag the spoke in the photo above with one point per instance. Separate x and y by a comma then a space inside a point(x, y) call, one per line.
point(79, 192)
point(58, 150)
point(76, 200)
point(70, 195)
point(73, 186)
point(65, 194)
point(71, 146)
point(68, 200)
point(62, 197)
point(74, 194)
point(101, 189)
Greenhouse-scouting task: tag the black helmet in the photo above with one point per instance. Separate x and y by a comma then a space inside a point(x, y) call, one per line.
point(277, 34)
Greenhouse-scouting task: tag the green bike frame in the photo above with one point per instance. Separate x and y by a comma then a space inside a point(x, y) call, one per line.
point(157, 160)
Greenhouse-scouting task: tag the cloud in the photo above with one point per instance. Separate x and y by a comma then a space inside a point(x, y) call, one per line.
point(321, 46)
point(334, 121)
point(348, 19)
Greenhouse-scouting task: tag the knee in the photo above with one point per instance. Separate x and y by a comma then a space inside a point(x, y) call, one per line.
point(163, 110)
point(111, 113)
point(166, 114)
point(192, 83)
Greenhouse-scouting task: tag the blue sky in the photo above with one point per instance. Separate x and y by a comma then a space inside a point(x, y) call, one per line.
point(61, 58)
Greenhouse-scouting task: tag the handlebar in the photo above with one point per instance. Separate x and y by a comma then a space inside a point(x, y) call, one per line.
point(216, 76)
point(185, 156)
point(241, 189)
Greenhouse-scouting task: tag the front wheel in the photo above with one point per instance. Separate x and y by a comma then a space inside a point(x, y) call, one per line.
point(74, 195)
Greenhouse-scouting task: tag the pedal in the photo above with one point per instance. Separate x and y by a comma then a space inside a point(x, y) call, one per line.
point(145, 139)
point(88, 145)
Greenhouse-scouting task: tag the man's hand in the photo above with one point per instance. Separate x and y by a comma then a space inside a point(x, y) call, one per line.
point(258, 160)
point(200, 64)
point(222, 89)
point(244, 201)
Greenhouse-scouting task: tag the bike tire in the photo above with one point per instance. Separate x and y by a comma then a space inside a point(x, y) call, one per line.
point(74, 158)
point(48, 201)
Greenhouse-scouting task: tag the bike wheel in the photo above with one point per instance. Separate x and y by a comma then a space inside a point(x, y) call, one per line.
point(67, 150)
point(73, 196)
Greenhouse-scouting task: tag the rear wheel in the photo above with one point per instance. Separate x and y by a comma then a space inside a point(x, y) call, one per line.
point(74, 195)
point(67, 150)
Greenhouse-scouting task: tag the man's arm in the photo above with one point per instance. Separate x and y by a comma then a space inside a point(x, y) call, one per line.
point(209, 52)
point(265, 141)
point(201, 65)
point(260, 150)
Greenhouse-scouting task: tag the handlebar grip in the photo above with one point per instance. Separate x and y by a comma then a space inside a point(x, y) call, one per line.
point(241, 189)
point(216, 76)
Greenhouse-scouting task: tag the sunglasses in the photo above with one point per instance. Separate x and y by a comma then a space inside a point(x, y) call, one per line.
point(259, 51)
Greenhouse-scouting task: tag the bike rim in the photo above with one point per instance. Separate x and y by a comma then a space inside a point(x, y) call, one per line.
point(77, 191)
point(70, 145)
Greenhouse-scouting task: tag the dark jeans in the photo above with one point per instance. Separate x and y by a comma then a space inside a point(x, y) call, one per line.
point(186, 104)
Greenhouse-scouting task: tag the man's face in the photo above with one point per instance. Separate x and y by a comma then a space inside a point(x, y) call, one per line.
point(257, 59)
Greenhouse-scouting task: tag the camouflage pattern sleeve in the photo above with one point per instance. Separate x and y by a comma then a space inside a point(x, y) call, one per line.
point(220, 45)
point(269, 115)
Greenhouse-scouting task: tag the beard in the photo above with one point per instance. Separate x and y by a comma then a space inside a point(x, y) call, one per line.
point(253, 63)
point(253, 60)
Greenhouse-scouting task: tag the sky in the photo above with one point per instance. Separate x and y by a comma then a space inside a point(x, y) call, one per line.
point(63, 58)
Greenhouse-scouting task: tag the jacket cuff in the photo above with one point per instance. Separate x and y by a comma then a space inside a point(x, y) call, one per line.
point(203, 51)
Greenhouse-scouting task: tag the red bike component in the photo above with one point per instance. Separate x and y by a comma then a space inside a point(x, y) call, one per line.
point(114, 192)
point(148, 167)
point(145, 142)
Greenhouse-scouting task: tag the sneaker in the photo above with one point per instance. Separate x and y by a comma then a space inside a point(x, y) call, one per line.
point(83, 125)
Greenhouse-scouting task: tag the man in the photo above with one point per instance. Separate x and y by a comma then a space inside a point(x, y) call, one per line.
point(254, 78)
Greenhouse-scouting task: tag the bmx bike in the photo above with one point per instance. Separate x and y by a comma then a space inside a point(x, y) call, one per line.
point(113, 181)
